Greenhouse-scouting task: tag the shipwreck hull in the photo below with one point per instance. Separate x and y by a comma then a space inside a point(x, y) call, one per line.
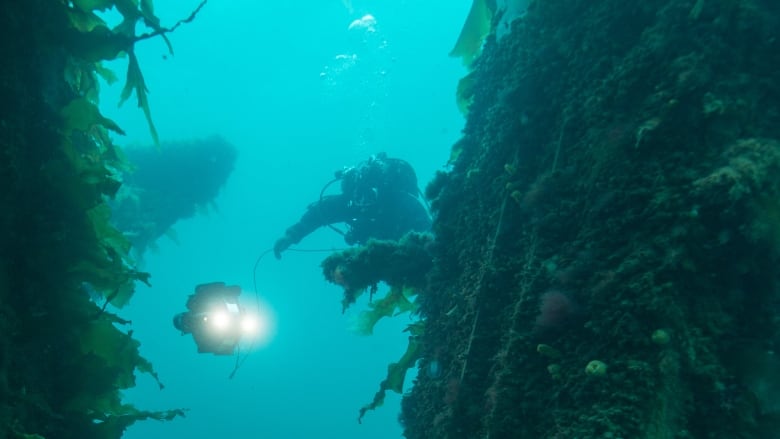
point(607, 239)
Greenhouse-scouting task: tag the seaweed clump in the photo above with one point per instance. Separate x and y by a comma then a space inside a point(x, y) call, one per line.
point(64, 358)
point(403, 265)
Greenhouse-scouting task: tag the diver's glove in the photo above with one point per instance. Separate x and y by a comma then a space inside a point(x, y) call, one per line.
point(281, 245)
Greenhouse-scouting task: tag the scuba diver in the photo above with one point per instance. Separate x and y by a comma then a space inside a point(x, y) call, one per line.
point(379, 199)
point(215, 319)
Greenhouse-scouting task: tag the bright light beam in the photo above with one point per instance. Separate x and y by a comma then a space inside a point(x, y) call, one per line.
point(221, 320)
point(258, 324)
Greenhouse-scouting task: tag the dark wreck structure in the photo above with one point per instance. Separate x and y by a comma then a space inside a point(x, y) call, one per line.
point(168, 183)
point(605, 253)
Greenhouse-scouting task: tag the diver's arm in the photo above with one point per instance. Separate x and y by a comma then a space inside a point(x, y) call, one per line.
point(328, 210)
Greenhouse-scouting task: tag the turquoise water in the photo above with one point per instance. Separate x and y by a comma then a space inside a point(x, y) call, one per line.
point(300, 95)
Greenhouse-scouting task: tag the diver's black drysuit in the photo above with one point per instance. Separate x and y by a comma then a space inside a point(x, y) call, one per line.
point(379, 199)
